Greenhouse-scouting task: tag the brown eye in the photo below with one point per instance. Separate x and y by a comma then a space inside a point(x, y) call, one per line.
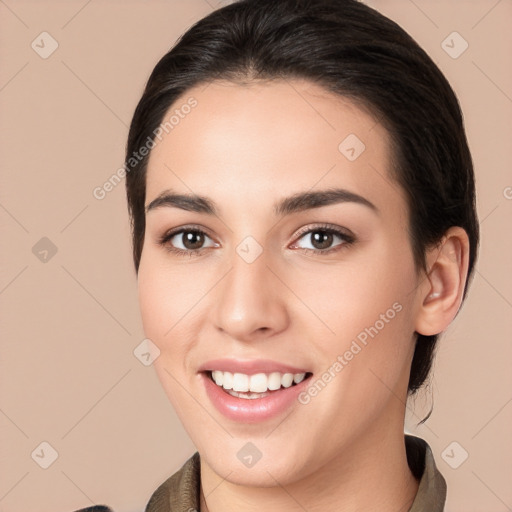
point(192, 239)
point(321, 239)
point(186, 241)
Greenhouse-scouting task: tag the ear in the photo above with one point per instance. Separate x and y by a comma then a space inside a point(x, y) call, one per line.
point(442, 291)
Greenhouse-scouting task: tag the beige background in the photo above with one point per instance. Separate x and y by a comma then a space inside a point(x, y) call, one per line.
point(70, 325)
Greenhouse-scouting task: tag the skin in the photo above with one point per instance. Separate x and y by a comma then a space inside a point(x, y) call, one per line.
point(246, 147)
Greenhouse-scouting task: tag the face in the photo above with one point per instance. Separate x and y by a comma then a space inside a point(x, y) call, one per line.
point(269, 282)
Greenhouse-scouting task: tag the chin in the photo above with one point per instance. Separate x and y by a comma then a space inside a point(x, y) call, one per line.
point(273, 466)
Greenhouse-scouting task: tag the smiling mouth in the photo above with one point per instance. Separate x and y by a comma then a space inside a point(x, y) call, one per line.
point(257, 385)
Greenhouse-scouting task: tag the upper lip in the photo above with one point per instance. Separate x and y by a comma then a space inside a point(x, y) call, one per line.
point(249, 367)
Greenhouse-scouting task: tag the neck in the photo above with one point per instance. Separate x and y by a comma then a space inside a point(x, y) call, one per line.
point(371, 475)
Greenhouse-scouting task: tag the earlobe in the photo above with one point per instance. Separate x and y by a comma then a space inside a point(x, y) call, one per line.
point(441, 293)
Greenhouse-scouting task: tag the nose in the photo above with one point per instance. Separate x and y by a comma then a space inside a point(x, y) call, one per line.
point(250, 302)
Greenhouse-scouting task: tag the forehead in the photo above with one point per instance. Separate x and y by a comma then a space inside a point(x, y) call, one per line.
point(266, 138)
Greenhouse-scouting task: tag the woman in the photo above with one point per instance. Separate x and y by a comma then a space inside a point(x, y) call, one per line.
point(303, 210)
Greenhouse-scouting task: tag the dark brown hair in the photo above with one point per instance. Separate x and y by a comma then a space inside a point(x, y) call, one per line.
point(353, 51)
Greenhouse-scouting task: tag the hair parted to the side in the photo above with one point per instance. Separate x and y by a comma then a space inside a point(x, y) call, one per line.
point(353, 51)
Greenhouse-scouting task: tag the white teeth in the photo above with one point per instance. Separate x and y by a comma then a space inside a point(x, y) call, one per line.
point(247, 396)
point(218, 377)
point(240, 382)
point(274, 381)
point(287, 380)
point(257, 383)
point(227, 380)
point(298, 377)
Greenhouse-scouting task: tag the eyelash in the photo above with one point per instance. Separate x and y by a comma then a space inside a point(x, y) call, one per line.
point(348, 239)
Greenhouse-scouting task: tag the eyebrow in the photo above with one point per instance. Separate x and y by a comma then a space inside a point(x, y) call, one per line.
point(298, 202)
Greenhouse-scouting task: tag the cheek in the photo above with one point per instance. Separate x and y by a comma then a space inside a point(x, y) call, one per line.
point(155, 301)
point(164, 302)
point(173, 302)
point(367, 305)
point(167, 295)
point(353, 294)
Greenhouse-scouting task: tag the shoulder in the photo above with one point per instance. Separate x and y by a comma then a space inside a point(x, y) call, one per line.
point(180, 491)
point(431, 493)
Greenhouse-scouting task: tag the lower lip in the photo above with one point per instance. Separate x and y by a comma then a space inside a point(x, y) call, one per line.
point(245, 410)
